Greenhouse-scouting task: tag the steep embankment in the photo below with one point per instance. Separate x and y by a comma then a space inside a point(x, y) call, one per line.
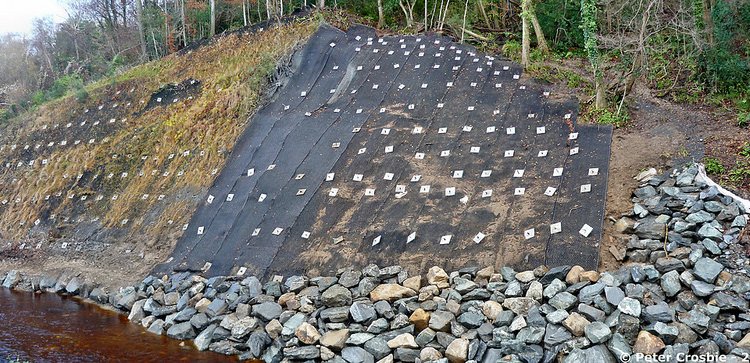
point(106, 183)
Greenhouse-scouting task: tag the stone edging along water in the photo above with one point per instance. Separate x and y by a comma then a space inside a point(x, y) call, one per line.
point(682, 296)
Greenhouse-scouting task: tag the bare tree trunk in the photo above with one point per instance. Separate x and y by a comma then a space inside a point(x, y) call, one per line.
point(321, 4)
point(141, 35)
point(541, 42)
point(381, 17)
point(244, 13)
point(212, 4)
point(463, 28)
point(525, 36)
point(184, 22)
point(480, 4)
point(407, 12)
point(708, 21)
point(601, 99)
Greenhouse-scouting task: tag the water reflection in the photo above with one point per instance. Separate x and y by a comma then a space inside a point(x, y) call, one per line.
point(53, 328)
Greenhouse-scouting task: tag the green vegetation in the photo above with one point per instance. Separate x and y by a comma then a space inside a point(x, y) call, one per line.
point(713, 166)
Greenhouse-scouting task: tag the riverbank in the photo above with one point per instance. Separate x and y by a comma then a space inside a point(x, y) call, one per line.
point(683, 289)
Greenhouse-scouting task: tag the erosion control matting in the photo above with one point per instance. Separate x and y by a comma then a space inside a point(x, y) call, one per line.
point(407, 150)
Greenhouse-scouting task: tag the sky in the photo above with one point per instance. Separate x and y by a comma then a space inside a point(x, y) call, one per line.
point(16, 16)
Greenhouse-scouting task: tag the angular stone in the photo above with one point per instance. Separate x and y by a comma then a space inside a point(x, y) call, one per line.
point(597, 332)
point(630, 306)
point(307, 334)
point(457, 351)
point(437, 276)
point(361, 311)
point(707, 269)
point(648, 344)
point(335, 339)
point(420, 318)
point(520, 305)
point(357, 355)
point(563, 300)
point(390, 292)
point(440, 320)
point(267, 311)
point(404, 340)
point(613, 294)
point(181, 331)
point(670, 283)
point(302, 353)
point(335, 296)
point(576, 323)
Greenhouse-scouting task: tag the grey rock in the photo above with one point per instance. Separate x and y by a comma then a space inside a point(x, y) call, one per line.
point(336, 295)
point(563, 300)
point(556, 334)
point(658, 312)
point(350, 278)
point(378, 347)
point(619, 346)
point(591, 313)
point(440, 320)
point(357, 355)
point(267, 311)
point(557, 316)
point(205, 338)
point(296, 283)
point(11, 279)
point(649, 228)
point(597, 332)
point(336, 315)
point(181, 331)
point(670, 283)
point(558, 273)
point(362, 311)
point(707, 269)
point(531, 334)
point(588, 293)
point(613, 294)
point(257, 343)
point(630, 306)
point(302, 353)
point(667, 333)
point(471, 319)
point(696, 320)
point(708, 231)
point(666, 264)
point(216, 307)
point(700, 217)
point(701, 288)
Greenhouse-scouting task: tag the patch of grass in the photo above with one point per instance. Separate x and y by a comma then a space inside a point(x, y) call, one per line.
point(713, 166)
point(743, 119)
point(608, 117)
point(745, 150)
point(740, 173)
point(234, 72)
point(512, 50)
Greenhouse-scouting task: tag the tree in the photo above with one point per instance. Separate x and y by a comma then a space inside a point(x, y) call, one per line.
point(141, 34)
point(381, 16)
point(212, 4)
point(589, 16)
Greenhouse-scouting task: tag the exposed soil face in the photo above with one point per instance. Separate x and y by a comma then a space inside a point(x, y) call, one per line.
point(662, 135)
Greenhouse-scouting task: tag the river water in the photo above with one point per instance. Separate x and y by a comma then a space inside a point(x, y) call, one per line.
point(52, 328)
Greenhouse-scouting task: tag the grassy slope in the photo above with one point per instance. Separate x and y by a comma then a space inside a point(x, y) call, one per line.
point(233, 71)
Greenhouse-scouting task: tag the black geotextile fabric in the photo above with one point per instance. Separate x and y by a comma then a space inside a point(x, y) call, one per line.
point(408, 149)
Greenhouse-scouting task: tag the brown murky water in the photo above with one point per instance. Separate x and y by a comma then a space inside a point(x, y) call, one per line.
point(53, 328)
